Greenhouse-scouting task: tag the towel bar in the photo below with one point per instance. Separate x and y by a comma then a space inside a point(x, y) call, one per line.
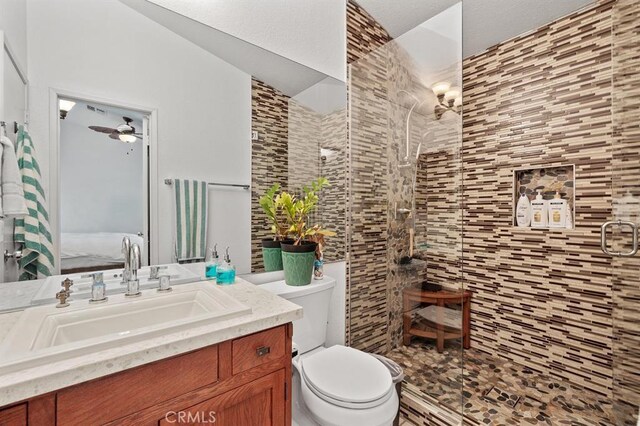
point(168, 181)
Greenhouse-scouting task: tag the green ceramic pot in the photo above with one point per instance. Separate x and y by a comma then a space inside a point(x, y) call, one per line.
point(271, 255)
point(298, 262)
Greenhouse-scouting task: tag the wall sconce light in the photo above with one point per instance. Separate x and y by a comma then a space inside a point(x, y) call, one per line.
point(449, 98)
point(65, 106)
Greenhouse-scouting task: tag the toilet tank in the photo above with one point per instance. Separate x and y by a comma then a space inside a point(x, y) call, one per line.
point(309, 332)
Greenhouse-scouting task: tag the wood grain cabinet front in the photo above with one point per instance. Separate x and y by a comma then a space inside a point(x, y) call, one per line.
point(255, 349)
point(14, 416)
point(259, 403)
point(244, 381)
point(118, 395)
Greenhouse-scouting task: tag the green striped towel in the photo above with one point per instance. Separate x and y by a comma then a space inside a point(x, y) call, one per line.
point(191, 201)
point(33, 230)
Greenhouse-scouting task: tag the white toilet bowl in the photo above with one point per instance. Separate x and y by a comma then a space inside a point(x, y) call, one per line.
point(336, 386)
point(341, 386)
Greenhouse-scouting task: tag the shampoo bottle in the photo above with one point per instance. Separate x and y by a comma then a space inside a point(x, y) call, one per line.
point(539, 212)
point(523, 211)
point(557, 212)
point(226, 271)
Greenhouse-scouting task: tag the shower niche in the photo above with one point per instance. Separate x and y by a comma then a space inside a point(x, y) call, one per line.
point(544, 197)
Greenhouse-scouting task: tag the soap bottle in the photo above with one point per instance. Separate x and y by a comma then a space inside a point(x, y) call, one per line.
point(226, 271)
point(523, 211)
point(557, 212)
point(539, 212)
point(211, 264)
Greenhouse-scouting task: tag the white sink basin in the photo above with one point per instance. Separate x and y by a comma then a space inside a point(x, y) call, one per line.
point(44, 334)
point(112, 279)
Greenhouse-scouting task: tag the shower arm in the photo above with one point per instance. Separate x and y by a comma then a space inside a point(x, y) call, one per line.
point(416, 104)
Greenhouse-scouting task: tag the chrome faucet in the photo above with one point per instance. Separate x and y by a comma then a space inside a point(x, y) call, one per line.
point(126, 251)
point(133, 284)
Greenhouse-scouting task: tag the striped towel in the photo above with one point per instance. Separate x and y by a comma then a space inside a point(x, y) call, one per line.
point(191, 201)
point(33, 230)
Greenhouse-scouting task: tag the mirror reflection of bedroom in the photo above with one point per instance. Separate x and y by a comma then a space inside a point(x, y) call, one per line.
point(102, 185)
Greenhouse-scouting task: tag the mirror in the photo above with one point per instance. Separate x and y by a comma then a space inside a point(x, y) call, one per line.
point(127, 100)
point(103, 185)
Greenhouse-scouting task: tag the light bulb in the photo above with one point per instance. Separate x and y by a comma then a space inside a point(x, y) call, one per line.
point(451, 94)
point(127, 138)
point(440, 88)
point(66, 105)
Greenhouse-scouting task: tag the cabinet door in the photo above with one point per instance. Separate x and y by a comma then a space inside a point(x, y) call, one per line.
point(259, 403)
point(14, 416)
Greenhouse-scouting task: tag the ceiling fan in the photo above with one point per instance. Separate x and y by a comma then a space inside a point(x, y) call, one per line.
point(124, 132)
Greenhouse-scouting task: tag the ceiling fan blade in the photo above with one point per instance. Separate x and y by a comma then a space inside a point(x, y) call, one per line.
point(115, 135)
point(102, 129)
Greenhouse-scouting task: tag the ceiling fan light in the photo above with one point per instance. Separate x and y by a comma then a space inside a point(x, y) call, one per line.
point(127, 138)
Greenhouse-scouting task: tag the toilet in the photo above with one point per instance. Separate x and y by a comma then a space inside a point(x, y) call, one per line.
point(338, 385)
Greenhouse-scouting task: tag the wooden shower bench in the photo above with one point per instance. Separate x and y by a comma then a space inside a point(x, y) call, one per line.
point(443, 323)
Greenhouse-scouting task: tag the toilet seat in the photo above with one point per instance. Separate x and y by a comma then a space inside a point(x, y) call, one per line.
point(348, 378)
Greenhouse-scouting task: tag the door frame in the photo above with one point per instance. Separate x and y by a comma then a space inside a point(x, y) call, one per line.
point(151, 202)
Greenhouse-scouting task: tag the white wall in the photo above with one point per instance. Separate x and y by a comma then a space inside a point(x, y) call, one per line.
point(13, 21)
point(101, 48)
point(98, 173)
point(311, 32)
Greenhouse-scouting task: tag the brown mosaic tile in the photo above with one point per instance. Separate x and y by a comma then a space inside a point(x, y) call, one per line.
point(496, 391)
point(542, 298)
point(269, 157)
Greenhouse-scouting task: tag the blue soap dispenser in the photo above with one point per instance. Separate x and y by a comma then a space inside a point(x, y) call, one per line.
point(226, 271)
point(212, 263)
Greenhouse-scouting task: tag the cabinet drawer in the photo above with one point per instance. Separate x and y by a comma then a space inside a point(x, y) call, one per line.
point(121, 394)
point(255, 349)
point(14, 416)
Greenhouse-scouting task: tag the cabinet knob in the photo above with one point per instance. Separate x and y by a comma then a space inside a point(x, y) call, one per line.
point(263, 350)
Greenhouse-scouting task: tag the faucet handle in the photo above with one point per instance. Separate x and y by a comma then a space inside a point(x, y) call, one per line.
point(66, 284)
point(154, 273)
point(62, 296)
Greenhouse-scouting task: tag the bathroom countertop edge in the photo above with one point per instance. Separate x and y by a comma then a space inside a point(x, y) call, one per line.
point(268, 310)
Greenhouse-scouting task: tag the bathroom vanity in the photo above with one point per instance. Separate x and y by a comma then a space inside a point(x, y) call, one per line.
point(230, 371)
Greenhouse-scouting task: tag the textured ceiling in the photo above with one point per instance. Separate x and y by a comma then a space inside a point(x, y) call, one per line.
point(485, 22)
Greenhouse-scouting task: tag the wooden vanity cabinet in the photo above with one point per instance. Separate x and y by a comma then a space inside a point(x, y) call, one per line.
point(14, 416)
point(244, 381)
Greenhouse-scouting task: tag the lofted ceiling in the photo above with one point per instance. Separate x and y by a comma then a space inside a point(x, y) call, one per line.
point(286, 75)
point(484, 22)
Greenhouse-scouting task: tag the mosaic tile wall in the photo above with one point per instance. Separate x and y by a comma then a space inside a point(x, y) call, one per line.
point(626, 184)
point(379, 71)
point(367, 269)
point(309, 132)
point(333, 215)
point(304, 145)
point(541, 298)
point(269, 157)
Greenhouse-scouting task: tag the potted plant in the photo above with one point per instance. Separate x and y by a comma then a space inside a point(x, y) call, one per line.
point(299, 255)
point(271, 251)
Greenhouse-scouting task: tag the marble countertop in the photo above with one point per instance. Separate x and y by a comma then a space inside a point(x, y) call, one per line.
point(268, 310)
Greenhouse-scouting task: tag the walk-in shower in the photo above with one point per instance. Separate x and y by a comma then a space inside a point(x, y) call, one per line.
point(495, 323)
